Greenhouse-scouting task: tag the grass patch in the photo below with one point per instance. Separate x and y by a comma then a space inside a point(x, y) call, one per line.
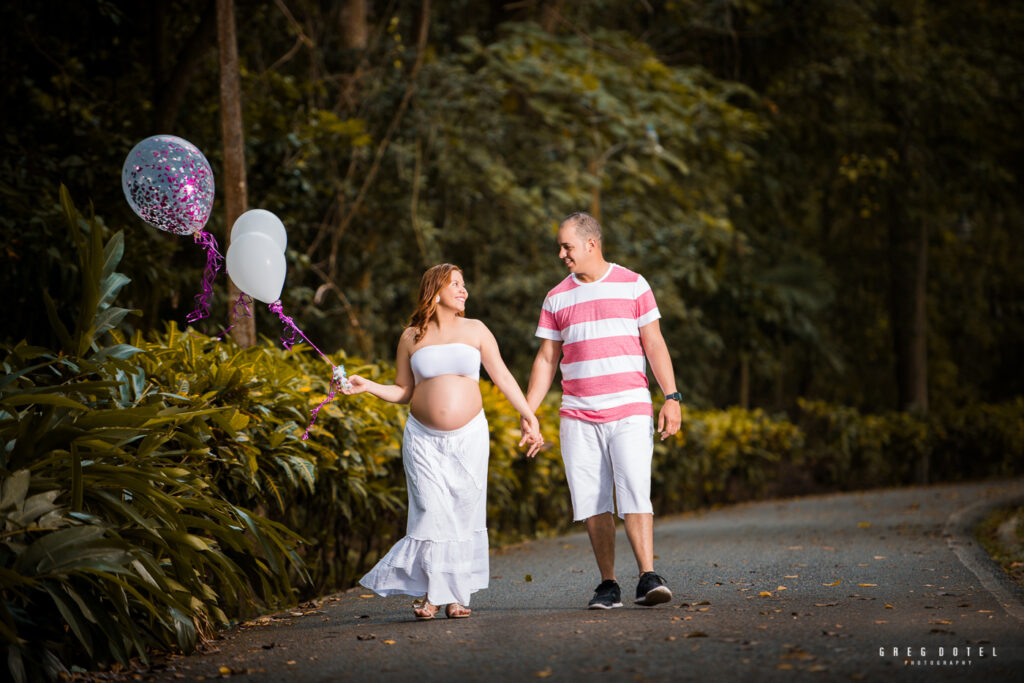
point(1002, 535)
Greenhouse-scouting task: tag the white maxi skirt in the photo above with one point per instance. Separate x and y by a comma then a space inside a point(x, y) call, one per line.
point(444, 552)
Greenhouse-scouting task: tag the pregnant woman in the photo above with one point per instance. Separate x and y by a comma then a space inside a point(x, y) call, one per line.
point(443, 556)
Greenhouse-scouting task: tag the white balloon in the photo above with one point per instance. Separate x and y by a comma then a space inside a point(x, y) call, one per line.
point(263, 222)
point(257, 266)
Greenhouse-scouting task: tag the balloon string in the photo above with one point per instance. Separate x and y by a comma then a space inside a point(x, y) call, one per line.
point(243, 300)
point(214, 260)
point(338, 380)
point(288, 339)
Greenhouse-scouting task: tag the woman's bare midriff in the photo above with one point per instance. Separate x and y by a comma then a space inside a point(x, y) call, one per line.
point(446, 402)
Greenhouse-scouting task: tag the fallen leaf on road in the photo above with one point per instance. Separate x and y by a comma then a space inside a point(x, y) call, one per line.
point(864, 525)
point(366, 636)
point(782, 588)
point(671, 638)
point(868, 585)
point(940, 621)
point(984, 611)
point(879, 557)
point(817, 668)
point(543, 673)
point(696, 634)
point(764, 594)
point(796, 547)
point(784, 667)
point(366, 596)
point(388, 642)
point(224, 671)
point(825, 604)
point(881, 621)
point(702, 602)
point(290, 662)
point(791, 576)
point(528, 578)
point(837, 582)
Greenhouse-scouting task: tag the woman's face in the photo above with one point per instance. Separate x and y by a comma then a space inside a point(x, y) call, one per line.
point(454, 294)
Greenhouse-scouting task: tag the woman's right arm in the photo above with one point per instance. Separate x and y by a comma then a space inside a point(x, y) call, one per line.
point(401, 390)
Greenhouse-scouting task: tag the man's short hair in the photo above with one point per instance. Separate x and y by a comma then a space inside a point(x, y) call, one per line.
point(586, 226)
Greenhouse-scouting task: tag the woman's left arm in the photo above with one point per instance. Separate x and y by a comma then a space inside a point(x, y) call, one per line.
point(499, 373)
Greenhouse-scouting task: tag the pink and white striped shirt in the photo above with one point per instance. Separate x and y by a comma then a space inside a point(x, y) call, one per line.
point(604, 371)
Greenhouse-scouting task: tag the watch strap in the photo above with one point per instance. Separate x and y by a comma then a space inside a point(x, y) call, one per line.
point(674, 396)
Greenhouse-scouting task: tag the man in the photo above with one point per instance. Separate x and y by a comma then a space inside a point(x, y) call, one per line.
point(600, 321)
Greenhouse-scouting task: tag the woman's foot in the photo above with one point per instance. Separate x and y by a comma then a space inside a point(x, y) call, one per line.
point(424, 610)
point(456, 611)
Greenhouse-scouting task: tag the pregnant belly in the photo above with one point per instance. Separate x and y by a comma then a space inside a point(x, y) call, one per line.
point(446, 402)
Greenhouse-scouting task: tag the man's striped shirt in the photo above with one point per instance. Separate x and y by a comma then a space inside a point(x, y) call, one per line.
point(604, 371)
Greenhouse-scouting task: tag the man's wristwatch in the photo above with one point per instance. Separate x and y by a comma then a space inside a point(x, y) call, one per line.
point(674, 396)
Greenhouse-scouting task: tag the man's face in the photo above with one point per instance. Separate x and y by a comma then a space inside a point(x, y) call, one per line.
point(574, 252)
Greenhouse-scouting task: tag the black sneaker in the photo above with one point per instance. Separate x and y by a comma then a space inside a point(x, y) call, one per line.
point(606, 596)
point(651, 590)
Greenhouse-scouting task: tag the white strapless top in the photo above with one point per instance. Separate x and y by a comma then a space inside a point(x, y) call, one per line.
point(445, 359)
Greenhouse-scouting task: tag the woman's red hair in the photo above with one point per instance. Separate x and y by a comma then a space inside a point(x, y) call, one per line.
point(433, 281)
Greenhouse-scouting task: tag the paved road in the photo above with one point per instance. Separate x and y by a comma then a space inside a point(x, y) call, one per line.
point(822, 588)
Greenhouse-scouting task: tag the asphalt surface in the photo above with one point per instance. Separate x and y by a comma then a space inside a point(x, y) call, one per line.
point(861, 586)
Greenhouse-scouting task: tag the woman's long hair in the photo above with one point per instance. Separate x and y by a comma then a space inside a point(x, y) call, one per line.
point(434, 280)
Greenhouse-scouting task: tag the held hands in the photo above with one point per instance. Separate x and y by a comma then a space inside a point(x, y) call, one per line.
point(669, 419)
point(531, 434)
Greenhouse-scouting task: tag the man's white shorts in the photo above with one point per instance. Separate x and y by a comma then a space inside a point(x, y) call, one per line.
point(602, 456)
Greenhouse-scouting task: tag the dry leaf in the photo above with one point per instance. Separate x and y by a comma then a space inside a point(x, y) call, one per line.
point(528, 578)
point(782, 588)
point(366, 596)
point(784, 667)
point(791, 576)
point(940, 621)
point(224, 671)
point(837, 582)
point(879, 557)
point(888, 606)
point(290, 662)
point(388, 642)
point(868, 585)
point(543, 673)
point(881, 621)
point(696, 634)
point(764, 594)
point(817, 668)
point(864, 525)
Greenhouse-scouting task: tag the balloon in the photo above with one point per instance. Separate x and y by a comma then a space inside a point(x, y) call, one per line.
point(257, 266)
point(169, 184)
point(263, 222)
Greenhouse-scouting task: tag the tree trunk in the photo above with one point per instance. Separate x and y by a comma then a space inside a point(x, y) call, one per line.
point(745, 381)
point(235, 201)
point(354, 29)
point(909, 314)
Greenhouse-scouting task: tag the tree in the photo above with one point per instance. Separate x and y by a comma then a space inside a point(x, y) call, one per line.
point(235, 191)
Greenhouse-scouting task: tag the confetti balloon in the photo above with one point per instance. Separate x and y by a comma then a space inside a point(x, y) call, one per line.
point(169, 184)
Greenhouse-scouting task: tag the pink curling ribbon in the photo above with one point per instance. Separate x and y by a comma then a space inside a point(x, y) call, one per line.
point(243, 300)
point(214, 261)
point(288, 340)
point(338, 381)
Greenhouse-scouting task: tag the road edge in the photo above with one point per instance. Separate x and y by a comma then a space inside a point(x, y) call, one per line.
point(959, 533)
